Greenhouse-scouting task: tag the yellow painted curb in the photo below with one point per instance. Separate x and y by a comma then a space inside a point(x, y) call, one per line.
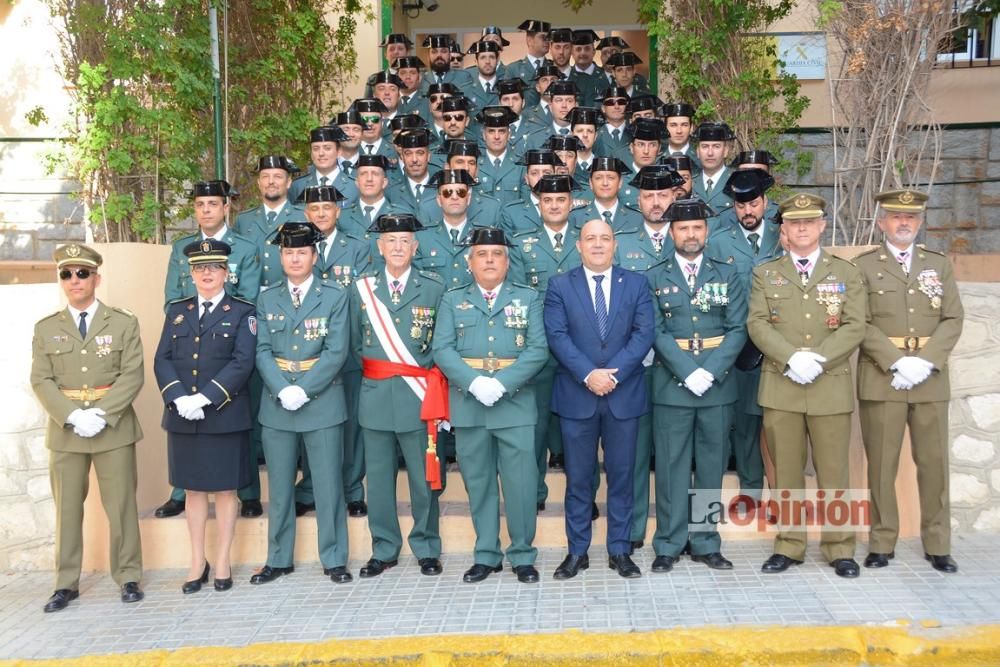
point(707, 646)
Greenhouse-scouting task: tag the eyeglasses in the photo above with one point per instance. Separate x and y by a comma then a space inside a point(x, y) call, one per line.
point(82, 274)
point(615, 102)
point(437, 97)
point(448, 193)
point(204, 268)
point(454, 117)
point(373, 118)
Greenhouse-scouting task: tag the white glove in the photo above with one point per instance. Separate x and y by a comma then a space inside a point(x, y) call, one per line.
point(444, 425)
point(795, 377)
point(699, 381)
point(487, 390)
point(913, 369)
point(807, 365)
point(87, 423)
point(293, 397)
point(900, 383)
point(190, 405)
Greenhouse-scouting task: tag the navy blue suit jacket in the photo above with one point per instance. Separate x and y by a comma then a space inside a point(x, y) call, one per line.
point(575, 340)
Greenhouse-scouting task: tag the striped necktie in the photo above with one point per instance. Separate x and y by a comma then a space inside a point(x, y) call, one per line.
point(600, 307)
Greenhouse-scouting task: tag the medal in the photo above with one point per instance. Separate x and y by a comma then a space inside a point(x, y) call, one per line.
point(935, 302)
point(519, 340)
point(415, 332)
point(179, 319)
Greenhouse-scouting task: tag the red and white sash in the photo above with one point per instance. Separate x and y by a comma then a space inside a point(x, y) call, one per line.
point(388, 337)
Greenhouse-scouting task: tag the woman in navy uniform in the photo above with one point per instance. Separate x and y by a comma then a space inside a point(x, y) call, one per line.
point(203, 364)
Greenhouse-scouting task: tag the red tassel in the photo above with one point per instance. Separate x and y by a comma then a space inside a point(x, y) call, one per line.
point(432, 464)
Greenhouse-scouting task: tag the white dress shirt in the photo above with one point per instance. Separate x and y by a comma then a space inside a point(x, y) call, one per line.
point(91, 310)
point(813, 257)
point(605, 286)
point(214, 301)
point(908, 262)
point(303, 288)
point(718, 179)
point(403, 279)
point(552, 234)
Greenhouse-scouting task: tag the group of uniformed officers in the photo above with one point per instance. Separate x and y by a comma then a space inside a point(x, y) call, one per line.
point(390, 307)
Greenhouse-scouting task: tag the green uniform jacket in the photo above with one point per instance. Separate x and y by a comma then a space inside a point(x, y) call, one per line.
point(503, 183)
point(466, 328)
point(625, 217)
point(520, 216)
point(243, 280)
point(725, 296)
point(786, 316)
point(413, 318)
point(110, 356)
point(533, 261)
point(437, 254)
point(346, 260)
point(318, 329)
point(898, 306)
point(635, 250)
point(344, 183)
point(253, 225)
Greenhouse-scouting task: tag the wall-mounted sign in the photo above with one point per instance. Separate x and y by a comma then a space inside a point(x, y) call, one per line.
point(804, 54)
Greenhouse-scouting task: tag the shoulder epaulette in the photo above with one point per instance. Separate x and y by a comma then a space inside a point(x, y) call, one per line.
point(331, 283)
point(183, 237)
point(870, 251)
point(458, 288)
point(51, 315)
point(517, 284)
point(181, 300)
point(123, 311)
point(242, 300)
point(933, 252)
point(431, 275)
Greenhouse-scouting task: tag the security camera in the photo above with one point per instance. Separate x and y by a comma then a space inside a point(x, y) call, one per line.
point(431, 5)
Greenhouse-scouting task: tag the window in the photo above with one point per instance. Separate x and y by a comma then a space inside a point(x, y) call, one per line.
point(976, 43)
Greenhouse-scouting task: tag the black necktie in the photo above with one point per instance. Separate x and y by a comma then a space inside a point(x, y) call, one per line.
point(406, 99)
point(368, 149)
point(83, 325)
point(607, 216)
point(617, 134)
point(206, 306)
point(489, 87)
point(559, 242)
point(454, 236)
point(324, 181)
point(754, 239)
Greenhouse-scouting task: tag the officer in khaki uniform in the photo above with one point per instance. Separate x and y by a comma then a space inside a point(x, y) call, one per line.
point(392, 324)
point(489, 341)
point(302, 344)
point(914, 320)
point(86, 370)
point(807, 313)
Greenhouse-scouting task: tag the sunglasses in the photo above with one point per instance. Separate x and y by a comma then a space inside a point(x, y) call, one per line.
point(448, 193)
point(437, 97)
point(82, 274)
point(374, 118)
point(616, 102)
point(454, 117)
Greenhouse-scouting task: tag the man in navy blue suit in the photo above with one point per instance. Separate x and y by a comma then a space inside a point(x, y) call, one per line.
point(599, 323)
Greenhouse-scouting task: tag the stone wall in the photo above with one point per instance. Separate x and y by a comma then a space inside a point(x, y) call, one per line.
point(961, 218)
point(27, 528)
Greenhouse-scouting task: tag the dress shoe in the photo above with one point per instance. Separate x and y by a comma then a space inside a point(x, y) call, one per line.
point(478, 572)
point(845, 567)
point(539, 507)
point(429, 566)
point(595, 513)
point(375, 567)
point(875, 559)
point(339, 574)
point(250, 509)
point(223, 584)
point(526, 574)
point(357, 508)
point(663, 563)
point(778, 563)
point(714, 560)
point(194, 585)
point(302, 508)
point(131, 592)
point(635, 545)
point(571, 566)
point(268, 574)
point(170, 508)
point(943, 563)
point(60, 599)
point(557, 462)
point(624, 565)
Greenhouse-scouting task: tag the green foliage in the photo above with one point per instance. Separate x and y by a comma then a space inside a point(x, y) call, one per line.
point(36, 116)
point(144, 97)
point(718, 59)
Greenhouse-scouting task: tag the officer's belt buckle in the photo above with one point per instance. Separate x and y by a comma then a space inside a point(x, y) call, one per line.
point(911, 343)
point(695, 345)
point(491, 364)
point(294, 366)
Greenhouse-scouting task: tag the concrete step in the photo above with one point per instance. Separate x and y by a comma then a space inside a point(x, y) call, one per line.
point(165, 541)
point(454, 490)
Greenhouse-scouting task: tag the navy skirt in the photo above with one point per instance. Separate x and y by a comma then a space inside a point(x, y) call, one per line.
point(209, 462)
